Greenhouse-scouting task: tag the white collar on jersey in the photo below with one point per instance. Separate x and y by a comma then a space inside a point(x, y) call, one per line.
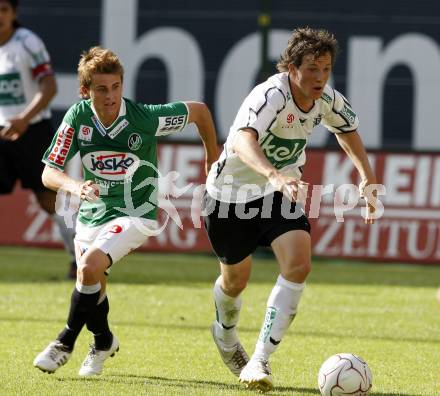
point(122, 112)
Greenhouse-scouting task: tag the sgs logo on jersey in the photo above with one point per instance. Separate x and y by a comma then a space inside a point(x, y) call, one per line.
point(111, 165)
point(174, 121)
point(170, 124)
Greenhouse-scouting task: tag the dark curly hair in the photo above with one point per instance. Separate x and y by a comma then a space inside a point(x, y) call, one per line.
point(304, 41)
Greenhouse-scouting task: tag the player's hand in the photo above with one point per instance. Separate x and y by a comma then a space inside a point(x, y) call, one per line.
point(370, 197)
point(89, 191)
point(294, 189)
point(15, 128)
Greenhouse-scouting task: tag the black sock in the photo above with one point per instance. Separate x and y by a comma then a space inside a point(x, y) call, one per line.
point(97, 323)
point(81, 305)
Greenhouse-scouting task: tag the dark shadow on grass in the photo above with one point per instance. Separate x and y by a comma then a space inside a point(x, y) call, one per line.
point(18, 265)
point(295, 332)
point(182, 383)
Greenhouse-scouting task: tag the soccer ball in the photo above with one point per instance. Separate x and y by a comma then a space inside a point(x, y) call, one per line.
point(345, 374)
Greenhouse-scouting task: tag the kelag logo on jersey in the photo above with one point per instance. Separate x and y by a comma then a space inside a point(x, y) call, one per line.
point(281, 152)
point(110, 165)
point(11, 89)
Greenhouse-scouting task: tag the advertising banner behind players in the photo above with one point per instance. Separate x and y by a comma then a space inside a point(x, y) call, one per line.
point(408, 231)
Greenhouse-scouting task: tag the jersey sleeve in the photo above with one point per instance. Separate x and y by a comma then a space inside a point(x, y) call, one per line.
point(168, 118)
point(341, 118)
point(64, 144)
point(260, 109)
point(38, 56)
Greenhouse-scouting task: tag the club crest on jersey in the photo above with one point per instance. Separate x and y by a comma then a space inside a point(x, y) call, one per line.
point(290, 118)
point(85, 133)
point(111, 165)
point(134, 142)
point(317, 120)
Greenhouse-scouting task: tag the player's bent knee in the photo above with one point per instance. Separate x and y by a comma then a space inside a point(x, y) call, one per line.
point(234, 286)
point(92, 265)
point(297, 272)
point(88, 273)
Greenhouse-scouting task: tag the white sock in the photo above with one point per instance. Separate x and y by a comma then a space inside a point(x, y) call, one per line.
point(281, 309)
point(227, 314)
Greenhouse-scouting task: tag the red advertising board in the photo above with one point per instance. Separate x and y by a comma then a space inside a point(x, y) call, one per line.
point(408, 231)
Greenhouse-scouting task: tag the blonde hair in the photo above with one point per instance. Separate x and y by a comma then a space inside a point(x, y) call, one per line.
point(98, 60)
point(304, 41)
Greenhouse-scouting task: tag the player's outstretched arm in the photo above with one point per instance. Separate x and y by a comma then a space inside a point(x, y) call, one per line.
point(352, 144)
point(56, 180)
point(201, 116)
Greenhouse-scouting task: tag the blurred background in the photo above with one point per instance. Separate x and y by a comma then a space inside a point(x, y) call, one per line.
point(388, 68)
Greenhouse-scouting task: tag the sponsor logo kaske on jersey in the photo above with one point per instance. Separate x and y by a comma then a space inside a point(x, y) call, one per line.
point(110, 165)
point(134, 142)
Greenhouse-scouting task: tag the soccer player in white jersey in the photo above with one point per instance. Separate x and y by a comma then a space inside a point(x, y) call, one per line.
point(27, 87)
point(252, 188)
point(117, 141)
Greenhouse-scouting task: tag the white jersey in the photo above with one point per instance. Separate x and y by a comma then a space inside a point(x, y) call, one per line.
point(283, 129)
point(23, 62)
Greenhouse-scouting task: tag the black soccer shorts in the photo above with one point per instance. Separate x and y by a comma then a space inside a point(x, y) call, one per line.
point(236, 230)
point(21, 160)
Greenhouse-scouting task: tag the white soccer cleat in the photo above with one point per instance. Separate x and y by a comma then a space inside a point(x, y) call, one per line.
point(94, 362)
point(235, 358)
point(54, 356)
point(257, 375)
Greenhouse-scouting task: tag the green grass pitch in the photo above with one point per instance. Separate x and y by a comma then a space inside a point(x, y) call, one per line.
point(161, 311)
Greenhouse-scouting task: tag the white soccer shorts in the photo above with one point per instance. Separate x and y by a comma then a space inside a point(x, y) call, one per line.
point(115, 238)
